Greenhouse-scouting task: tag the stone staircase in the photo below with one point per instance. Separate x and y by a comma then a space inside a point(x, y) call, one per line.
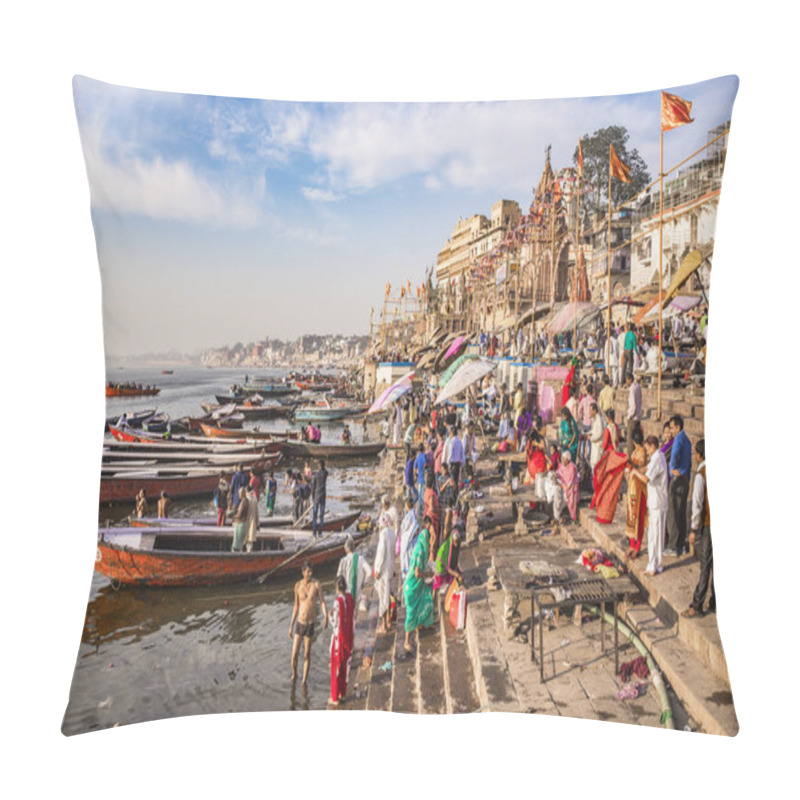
point(436, 679)
point(689, 403)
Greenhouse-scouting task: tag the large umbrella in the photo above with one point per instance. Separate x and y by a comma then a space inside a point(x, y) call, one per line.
point(451, 370)
point(392, 394)
point(468, 373)
point(563, 320)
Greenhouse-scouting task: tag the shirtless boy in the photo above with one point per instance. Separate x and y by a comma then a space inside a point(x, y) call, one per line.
point(306, 594)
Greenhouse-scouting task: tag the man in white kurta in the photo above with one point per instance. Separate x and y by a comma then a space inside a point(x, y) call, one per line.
point(355, 569)
point(656, 479)
point(384, 573)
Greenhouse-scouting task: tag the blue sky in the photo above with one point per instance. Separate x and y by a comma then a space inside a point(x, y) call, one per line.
point(222, 219)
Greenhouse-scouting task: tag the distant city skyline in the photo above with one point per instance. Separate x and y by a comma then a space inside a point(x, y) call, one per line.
point(222, 219)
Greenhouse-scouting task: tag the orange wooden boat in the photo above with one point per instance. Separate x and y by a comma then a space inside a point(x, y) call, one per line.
point(242, 434)
point(114, 391)
point(202, 558)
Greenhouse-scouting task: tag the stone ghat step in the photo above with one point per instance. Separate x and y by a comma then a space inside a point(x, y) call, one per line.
point(436, 678)
point(495, 687)
point(650, 412)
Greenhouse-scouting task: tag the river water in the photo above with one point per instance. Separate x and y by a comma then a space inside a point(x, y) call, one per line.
point(149, 653)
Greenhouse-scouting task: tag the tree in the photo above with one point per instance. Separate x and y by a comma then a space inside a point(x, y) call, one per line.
point(595, 168)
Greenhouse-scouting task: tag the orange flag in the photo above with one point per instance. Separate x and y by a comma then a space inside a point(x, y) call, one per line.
point(388, 288)
point(580, 157)
point(617, 169)
point(675, 111)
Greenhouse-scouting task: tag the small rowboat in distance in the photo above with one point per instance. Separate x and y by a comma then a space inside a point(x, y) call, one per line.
point(313, 386)
point(329, 451)
point(202, 557)
point(122, 391)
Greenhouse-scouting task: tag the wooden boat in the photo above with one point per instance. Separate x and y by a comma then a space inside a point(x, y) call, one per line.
point(309, 450)
point(122, 391)
point(199, 444)
point(202, 557)
point(267, 389)
point(135, 419)
point(332, 523)
point(320, 413)
point(167, 371)
point(123, 487)
point(179, 455)
point(250, 412)
point(314, 386)
point(215, 432)
point(131, 436)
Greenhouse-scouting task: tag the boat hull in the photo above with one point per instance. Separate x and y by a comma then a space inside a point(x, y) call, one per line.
point(131, 566)
point(332, 524)
point(121, 489)
point(131, 392)
point(305, 450)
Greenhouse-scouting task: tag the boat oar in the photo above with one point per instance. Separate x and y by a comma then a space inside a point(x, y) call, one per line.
point(302, 516)
point(261, 578)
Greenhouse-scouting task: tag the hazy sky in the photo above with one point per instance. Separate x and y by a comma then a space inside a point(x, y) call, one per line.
point(222, 219)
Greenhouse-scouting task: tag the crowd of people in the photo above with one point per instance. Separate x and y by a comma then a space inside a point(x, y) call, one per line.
point(241, 497)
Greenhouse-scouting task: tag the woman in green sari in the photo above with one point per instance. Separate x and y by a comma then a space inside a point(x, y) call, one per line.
point(568, 434)
point(417, 594)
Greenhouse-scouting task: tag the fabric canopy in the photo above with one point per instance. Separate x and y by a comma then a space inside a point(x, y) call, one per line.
point(679, 304)
point(468, 373)
point(454, 347)
point(392, 394)
point(690, 264)
point(564, 319)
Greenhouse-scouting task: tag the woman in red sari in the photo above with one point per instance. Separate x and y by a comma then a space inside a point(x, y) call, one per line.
point(637, 496)
point(565, 389)
point(611, 433)
point(608, 475)
point(341, 618)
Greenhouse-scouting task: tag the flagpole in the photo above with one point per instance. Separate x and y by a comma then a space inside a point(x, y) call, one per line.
point(608, 266)
point(660, 274)
point(533, 302)
point(577, 264)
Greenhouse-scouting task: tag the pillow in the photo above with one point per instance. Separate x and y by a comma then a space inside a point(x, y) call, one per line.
point(297, 298)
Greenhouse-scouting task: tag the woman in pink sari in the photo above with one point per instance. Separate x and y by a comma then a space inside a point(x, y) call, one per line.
point(568, 479)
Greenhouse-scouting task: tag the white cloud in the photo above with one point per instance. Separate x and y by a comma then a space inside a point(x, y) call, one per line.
point(463, 145)
point(320, 195)
point(171, 190)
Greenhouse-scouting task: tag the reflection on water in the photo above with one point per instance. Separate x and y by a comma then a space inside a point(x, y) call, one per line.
point(301, 703)
point(149, 653)
point(152, 653)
